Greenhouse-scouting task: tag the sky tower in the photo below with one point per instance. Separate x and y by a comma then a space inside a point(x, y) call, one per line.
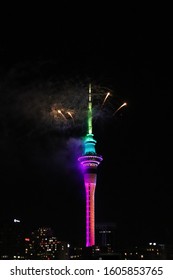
point(90, 161)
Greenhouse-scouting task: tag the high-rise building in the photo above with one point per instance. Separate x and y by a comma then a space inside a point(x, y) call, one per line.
point(90, 161)
point(105, 235)
point(43, 244)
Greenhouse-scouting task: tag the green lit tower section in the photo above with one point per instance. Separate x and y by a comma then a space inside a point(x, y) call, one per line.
point(90, 161)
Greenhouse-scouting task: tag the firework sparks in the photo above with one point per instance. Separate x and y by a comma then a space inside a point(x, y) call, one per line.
point(105, 99)
point(60, 107)
point(70, 114)
point(124, 104)
point(59, 111)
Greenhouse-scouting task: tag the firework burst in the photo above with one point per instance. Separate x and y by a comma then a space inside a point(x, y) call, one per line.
point(60, 107)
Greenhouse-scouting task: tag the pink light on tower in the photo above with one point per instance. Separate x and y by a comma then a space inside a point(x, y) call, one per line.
point(90, 161)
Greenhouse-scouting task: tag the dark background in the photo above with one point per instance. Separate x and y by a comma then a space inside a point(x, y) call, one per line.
point(126, 49)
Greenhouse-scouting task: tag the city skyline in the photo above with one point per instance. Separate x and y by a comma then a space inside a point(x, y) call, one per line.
point(40, 182)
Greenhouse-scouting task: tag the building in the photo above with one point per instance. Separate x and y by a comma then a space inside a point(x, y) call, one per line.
point(90, 161)
point(146, 251)
point(106, 235)
point(42, 244)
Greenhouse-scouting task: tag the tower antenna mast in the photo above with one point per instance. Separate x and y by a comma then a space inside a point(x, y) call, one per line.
point(89, 111)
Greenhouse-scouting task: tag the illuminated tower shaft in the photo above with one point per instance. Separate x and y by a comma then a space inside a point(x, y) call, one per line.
point(90, 161)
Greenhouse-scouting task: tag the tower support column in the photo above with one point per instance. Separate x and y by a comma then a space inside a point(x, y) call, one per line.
point(90, 214)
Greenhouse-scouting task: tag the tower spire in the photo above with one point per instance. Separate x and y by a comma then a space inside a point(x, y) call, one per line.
point(89, 111)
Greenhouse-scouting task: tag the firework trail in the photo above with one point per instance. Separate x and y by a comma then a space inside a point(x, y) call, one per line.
point(59, 111)
point(70, 114)
point(124, 104)
point(105, 99)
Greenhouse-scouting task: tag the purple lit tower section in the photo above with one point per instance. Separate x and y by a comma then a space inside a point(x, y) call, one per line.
point(90, 161)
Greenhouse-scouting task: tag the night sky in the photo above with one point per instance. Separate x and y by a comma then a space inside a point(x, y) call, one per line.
point(50, 57)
